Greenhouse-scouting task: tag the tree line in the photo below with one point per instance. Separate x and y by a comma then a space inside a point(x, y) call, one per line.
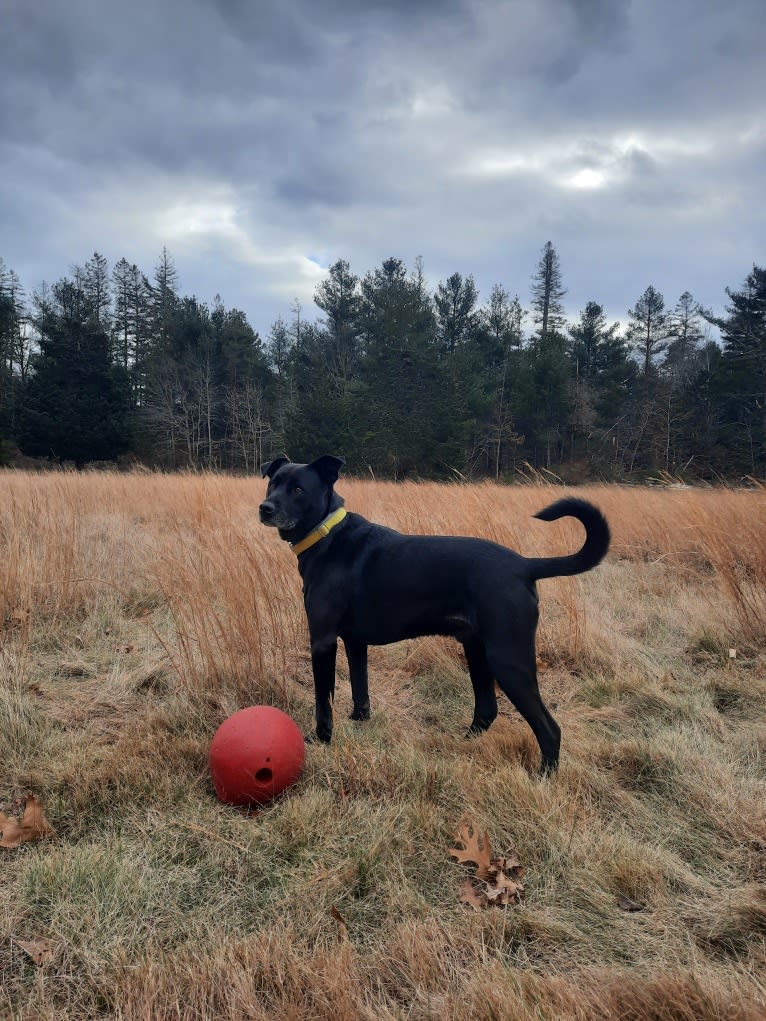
point(406, 382)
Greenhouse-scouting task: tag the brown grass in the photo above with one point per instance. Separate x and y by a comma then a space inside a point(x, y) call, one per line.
point(138, 611)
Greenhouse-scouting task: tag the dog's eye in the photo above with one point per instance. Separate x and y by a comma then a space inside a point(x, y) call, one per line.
point(297, 489)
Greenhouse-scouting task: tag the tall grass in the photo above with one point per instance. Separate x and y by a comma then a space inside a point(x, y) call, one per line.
point(138, 611)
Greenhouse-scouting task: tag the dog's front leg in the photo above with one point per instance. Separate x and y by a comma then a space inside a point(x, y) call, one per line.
point(323, 664)
point(356, 653)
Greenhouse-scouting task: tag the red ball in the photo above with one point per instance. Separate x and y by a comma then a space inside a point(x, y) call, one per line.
point(255, 755)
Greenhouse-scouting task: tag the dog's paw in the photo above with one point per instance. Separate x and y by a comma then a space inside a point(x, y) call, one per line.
point(360, 715)
point(316, 739)
point(477, 728)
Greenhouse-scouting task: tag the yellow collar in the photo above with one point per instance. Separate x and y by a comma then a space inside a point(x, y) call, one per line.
point(321, 530)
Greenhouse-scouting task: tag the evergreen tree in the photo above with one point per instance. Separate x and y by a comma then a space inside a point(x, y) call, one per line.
point(589, 340)
point(280, 351)
point(680, 371)
point(548, 415)
point(279, 346)
point(649, 329)
point(547, 292)
point(455, 303)
point(409, 423)
point(318, 416)
point(243, 379)
point(14, 349)
point(500, 339)
point(603, 378)
point(131, 324)
point(95, 277)
point(740, 376)
point(338, 297)
point(76, 403)
point(164, 300)
point(122, 325)
point(406, 381)
point(685, 335)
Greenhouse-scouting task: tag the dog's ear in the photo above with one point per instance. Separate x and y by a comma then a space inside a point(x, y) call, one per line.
point(327, 467)
point(269, 467)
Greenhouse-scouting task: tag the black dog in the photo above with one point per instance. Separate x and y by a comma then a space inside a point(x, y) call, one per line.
point(370, 585)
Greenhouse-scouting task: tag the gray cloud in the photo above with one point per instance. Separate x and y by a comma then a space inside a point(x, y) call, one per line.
point(254, 139)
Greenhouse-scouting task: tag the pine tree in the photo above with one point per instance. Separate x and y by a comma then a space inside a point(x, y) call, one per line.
point(95, 276)
point(500, 339)
point(407, 417)
point(455, 304)
point(76, 403)
point(338, 297)
point(279, 346)
point(740, 377)
point(591, 349)
point(15, 348)
point(164, 301)
point(131, 324)
point(685, 335)
point(649, 328)
point(547, 292)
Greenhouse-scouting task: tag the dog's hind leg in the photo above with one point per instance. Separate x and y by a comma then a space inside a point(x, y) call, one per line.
point(356, 653)
point(515, 669)
point(485, 702)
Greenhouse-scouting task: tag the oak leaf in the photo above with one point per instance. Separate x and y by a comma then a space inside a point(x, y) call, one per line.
point(471, 896)
point(498, 880)
point(32, 826)
point(476, 849)
point(41, 950)
point(504, 890)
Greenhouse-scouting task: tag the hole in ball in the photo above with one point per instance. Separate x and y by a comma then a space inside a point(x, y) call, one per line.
point(263, 775)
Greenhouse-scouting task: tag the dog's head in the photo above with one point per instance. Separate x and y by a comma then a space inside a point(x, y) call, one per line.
point(299, 496)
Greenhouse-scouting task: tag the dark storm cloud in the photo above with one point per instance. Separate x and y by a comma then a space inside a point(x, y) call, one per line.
point(249, 136)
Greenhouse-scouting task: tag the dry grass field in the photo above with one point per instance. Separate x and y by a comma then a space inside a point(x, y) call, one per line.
point(139, 611)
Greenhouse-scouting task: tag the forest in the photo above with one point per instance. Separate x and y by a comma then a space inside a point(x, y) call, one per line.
point(108, 365)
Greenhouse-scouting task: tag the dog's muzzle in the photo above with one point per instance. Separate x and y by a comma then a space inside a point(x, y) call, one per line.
point(267, 513)
point(270, 515)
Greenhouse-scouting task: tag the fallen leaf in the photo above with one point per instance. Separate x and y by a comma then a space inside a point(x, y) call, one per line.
point(32, 826)
point(505, 890)
point(40, 950)
point(624, 903)
point(510, 864)
point(498, 880)
point(471, 896)
point(476, 850)
point(342, 927)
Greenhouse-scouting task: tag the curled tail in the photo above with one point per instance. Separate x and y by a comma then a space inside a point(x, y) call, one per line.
point(593, 551)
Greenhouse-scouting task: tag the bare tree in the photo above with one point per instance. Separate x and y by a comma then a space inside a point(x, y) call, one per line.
point(251, 428)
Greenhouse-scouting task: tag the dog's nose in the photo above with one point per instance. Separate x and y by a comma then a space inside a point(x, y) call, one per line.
point(266, 511)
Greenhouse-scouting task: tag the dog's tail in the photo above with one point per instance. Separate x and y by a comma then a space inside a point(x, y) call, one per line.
point(593, 551)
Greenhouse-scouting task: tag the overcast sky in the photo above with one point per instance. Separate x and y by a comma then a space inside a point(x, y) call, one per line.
point(262, 141)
